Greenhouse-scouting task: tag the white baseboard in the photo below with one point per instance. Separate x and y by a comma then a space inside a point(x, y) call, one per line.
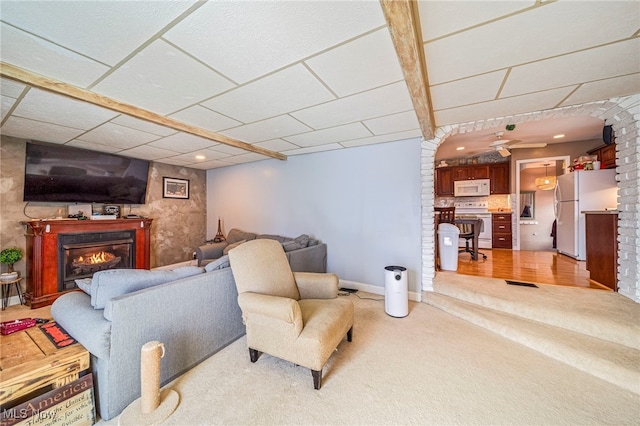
point(375, 289)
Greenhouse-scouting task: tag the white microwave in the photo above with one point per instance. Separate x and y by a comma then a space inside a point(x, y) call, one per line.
point(471, 188)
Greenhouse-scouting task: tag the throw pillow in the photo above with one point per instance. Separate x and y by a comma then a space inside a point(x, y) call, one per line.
point(84, 284)
point(232, 246)
point(220, 263)
point(291, 245)
point(303, 240)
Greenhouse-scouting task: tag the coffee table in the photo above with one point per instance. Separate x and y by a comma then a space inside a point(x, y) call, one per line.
point(30, 362)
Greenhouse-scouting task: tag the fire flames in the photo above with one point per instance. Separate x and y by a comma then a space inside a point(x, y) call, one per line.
point(95, 258)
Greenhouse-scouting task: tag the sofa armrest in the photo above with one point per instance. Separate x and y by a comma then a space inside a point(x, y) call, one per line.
point(210, 251)
point(74, 313)
point(271, 307)
point(316, 285)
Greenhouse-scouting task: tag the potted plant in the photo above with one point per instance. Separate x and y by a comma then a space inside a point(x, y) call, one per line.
point(9, 256)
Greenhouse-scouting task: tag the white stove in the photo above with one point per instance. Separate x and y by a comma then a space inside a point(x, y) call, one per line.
point(476, 210)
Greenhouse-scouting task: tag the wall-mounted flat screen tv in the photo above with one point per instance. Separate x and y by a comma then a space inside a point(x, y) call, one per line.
point(59, 173)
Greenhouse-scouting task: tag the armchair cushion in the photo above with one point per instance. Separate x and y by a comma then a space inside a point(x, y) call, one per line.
point(251, 277)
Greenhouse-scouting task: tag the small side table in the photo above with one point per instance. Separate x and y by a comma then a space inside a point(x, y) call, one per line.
point(6, 291)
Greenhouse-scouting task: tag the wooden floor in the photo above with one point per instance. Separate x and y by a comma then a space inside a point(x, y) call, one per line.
point(543, 267)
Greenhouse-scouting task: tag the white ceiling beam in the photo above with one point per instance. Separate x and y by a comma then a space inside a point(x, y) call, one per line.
point(44, 83)
point(402, 19)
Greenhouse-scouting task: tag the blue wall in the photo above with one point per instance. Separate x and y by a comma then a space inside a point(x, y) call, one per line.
point(363, 202)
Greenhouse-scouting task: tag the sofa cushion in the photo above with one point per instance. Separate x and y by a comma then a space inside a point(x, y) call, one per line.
point(115, 282)
point(84, 284)
point(219, 263)
point(232, 246)
point(236, 235)
point(303, 240)
point(278, 238)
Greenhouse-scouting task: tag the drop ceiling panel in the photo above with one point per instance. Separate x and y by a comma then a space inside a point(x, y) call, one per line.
point(409, 134)
point(603, 89)
point(190, 158)
point(207, 165)
point(501, 107)
point(312, 149)
point(439, 18)
point(147, 152)
point(330, 135)
point(272, 128)
point(288, 90)
point(31, 53)
point(162, 79)
point(105, 31)
point(385, 100)
point(246, 158)
point(393, 123)
point(11, 88)
point(377, 64)
point(94, 146)
point(30, 129)
point(475, 52)
point(229, 150)
point(145, 126)
point(183, 142)
point(277, 145)
point(244, 43)
point(118, 136)
point(6, 105)
point(481, 88)
point(205, 118)
point(48, 107)
point(575, 68)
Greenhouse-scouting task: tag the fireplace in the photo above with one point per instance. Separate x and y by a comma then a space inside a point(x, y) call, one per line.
point(57, 253)
point(82, 255)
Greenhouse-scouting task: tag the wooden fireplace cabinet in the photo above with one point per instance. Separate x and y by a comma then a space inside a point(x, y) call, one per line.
point(42, 251)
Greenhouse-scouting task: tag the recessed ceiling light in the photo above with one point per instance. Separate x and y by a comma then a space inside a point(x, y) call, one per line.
point(558, 136)
point(460, 148)
point(200, 157)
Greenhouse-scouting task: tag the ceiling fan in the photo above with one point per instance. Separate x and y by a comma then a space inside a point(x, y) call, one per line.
point(503, 146)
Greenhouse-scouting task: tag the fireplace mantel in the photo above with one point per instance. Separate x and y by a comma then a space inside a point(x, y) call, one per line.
point(42, 251)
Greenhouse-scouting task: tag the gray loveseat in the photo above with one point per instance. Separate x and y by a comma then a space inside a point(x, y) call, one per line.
point(194, 311)
point(305, 254)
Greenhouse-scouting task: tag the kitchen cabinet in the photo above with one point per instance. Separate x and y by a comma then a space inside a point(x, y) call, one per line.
point(500, 178)
point(498, 173)
point(602, 247)
point(501, 233)
point(476, 171)
point(444, 181)
point(606, 155)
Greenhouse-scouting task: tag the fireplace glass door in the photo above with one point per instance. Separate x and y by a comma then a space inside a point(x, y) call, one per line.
point(81, 259)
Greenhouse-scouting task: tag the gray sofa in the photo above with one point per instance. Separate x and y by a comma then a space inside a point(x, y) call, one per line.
point(194, 311)
point(305, 254)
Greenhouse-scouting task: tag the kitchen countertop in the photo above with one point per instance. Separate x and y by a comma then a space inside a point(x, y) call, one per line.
point(600, 211)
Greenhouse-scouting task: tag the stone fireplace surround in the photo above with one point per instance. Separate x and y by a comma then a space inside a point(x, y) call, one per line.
point(43, 250)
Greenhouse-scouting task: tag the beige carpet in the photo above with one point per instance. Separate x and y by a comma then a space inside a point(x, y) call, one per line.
point(427, 368)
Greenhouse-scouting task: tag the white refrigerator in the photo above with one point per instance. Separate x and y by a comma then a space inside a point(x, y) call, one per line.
point(576, 192)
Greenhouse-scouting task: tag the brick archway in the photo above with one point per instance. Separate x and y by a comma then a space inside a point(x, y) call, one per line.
point(620, 113)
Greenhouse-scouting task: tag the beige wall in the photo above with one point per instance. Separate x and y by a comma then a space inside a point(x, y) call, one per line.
point(179, 226)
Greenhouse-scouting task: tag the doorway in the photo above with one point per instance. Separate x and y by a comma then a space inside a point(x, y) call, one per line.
point(534, 225)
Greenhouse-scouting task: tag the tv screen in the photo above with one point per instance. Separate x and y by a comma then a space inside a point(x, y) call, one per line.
point(58, 173)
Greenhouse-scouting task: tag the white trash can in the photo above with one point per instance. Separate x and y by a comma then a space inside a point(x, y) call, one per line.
point(448, 246)
point(396, 291)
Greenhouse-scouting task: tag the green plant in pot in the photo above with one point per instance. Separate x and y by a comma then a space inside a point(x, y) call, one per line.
point(9, 256)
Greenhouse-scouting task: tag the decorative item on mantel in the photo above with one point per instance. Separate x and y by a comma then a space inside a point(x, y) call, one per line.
point(219, 235)
point(9, 256)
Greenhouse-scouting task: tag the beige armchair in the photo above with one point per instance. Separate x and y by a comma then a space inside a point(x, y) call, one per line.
point(295, 316)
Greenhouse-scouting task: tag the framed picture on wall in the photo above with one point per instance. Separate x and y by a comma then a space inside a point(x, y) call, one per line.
point(175, 188)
